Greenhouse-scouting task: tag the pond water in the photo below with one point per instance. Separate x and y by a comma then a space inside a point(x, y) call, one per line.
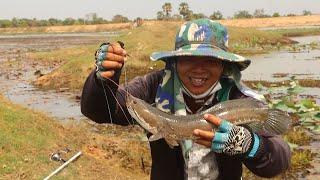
point(304, 64)
point(16, 84)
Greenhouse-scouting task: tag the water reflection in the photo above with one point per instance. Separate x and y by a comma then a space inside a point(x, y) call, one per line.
point(304, 64)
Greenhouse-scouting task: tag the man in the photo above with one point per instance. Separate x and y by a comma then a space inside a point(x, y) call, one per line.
point(199, 73)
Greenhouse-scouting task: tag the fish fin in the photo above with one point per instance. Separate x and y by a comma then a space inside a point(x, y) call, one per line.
point(278, 122)
point(233, 104)
point(255, 126)
point(155, 137)
point(171, 142)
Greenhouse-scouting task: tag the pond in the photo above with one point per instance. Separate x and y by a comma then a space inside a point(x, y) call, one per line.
point(304, 64)
point(16, 86)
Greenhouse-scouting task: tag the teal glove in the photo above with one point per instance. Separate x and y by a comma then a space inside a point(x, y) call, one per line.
point(235, 140)
point(100, 56)
point(109, 60)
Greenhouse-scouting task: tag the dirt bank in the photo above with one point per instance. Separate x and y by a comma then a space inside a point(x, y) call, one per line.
point(274, 22)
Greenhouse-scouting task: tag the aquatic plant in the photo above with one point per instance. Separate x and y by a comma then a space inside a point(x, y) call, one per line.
point(305, 109)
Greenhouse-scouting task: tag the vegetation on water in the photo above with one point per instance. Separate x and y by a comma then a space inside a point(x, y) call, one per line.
point(305, 110)
point(28, 138)
point(305, 114)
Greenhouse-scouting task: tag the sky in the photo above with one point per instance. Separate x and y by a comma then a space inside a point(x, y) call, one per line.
point(44, 9)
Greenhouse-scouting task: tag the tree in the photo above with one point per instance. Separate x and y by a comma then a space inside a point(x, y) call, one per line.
point(184, 10)
point(242, 15)
point(217, 15)
point(5, 23)
point(259, 13)
point(14, 22)
point(276, 14)
point(89, 18)
point(160, 15)
point(198, 16)
point(80, 21)
point(138, 22)
point(53, 22)
point(306, 13)
point(167, 9)
point(119, 19)
point(177, 17)
point(189, 16)
point(43, 23)
point(68, 21)
point(290, 14)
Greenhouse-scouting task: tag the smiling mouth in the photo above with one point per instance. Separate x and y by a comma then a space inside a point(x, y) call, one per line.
point(197, 81)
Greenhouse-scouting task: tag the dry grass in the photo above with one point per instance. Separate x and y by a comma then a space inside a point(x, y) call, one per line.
point(73, 28)
point(254, 22)
point(274, 22)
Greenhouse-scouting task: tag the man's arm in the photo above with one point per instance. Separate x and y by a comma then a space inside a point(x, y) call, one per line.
point(272, 158)
point(96, 93)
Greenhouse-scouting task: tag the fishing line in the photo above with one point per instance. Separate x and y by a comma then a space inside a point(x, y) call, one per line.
point(107, 101)
point(122, 110)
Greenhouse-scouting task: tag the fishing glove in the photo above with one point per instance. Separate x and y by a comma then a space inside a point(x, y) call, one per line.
point(100, 56)
point(235, 140)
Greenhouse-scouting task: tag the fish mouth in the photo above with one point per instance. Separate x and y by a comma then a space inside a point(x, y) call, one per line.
point(197, 81)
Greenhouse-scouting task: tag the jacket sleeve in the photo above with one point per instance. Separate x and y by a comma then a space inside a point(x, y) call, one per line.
point(104, 101)
point(273, 155)
point(272, 158)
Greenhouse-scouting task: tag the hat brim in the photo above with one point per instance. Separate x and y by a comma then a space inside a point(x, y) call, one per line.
point(241, 61)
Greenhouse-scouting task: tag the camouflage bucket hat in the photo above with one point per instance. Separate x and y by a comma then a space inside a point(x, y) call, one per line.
point(202, 37)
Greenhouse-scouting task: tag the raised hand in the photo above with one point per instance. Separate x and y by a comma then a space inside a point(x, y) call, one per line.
point(109, 58)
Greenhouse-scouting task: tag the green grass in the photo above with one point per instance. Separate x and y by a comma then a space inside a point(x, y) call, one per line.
point(297, 32)
point(24, 135)
point(27, 139)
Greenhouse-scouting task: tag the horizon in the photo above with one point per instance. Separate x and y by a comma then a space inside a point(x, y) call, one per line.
point(46, 9)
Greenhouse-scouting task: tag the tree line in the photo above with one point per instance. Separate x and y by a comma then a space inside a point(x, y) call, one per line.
point(186, 13)
point(91, 18)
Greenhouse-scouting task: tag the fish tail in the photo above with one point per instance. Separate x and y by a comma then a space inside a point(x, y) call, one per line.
point(278, 122)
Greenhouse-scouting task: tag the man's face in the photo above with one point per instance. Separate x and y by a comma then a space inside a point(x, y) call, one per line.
point(198, 74)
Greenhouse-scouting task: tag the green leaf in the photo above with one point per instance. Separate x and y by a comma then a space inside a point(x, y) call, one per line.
point(317, 129)
point(308, 103)
point(282, 106)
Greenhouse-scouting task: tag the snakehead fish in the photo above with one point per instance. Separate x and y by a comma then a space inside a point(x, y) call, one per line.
point(174, 128)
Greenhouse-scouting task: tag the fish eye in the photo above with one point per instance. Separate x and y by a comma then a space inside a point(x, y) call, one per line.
point(134, 102)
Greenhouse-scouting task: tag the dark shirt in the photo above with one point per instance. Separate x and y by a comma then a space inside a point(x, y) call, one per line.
point(272, 158)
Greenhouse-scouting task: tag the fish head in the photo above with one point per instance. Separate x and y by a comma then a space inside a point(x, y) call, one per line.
point(138, 110)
